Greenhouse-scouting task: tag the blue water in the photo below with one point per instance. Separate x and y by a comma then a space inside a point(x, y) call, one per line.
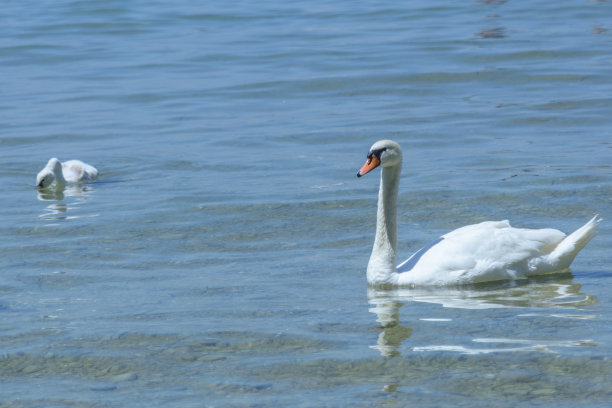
point(219, 260)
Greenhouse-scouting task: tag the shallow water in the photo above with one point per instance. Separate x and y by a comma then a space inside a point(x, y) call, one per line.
point(220, 258)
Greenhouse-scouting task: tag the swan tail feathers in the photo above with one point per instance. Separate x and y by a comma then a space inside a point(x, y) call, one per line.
point(565, 252)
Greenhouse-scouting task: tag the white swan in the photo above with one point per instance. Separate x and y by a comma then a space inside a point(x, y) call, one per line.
point(491, 250)
point(71, 171)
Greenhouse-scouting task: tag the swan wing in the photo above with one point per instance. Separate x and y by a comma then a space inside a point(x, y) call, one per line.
point(76, 170)
point(487, 251)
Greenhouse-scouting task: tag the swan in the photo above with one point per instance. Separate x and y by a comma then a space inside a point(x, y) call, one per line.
point(489, 251)
point(71, 171)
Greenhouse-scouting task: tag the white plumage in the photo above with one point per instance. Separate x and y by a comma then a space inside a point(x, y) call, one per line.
point(71, 171)
point(491, 250)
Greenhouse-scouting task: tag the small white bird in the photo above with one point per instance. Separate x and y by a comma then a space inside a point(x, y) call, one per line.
point(71, 171)
point(489, 251)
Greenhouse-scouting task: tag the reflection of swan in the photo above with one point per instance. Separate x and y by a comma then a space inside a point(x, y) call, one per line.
point(552, 291)
point(556, 292)
point(393, 333)
point(59, 211)
point(71, 190)
point(71, 171)
point(488, 251)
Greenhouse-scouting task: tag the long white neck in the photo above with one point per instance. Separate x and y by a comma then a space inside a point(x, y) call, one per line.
point(381, 267)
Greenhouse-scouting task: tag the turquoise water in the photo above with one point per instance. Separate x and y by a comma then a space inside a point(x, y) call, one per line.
point(219, 260)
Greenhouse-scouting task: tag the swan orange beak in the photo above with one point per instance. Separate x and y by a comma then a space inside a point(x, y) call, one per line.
point(371, 163)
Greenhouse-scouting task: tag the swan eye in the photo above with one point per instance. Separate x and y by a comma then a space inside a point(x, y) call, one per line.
point(377, 153)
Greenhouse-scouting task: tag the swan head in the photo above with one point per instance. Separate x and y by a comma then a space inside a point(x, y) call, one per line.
point(384, 153)
point(47, 175)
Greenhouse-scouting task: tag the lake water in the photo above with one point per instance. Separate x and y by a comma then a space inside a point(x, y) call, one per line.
point(219, 260)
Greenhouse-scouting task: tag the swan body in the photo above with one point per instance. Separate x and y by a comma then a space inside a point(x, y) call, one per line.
point(71, 171)
point(488, 251)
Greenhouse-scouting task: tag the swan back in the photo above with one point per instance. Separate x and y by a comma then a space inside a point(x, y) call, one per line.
point(488, 251)
point(75, 171)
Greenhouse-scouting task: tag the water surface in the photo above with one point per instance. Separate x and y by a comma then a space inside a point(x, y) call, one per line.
point(220, 258)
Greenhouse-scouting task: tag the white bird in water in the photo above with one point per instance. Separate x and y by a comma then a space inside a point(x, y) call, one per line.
point(71, 171)
point(489, 251)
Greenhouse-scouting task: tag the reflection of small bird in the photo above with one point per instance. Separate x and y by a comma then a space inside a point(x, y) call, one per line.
point(71, 171)
point(488, 251)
